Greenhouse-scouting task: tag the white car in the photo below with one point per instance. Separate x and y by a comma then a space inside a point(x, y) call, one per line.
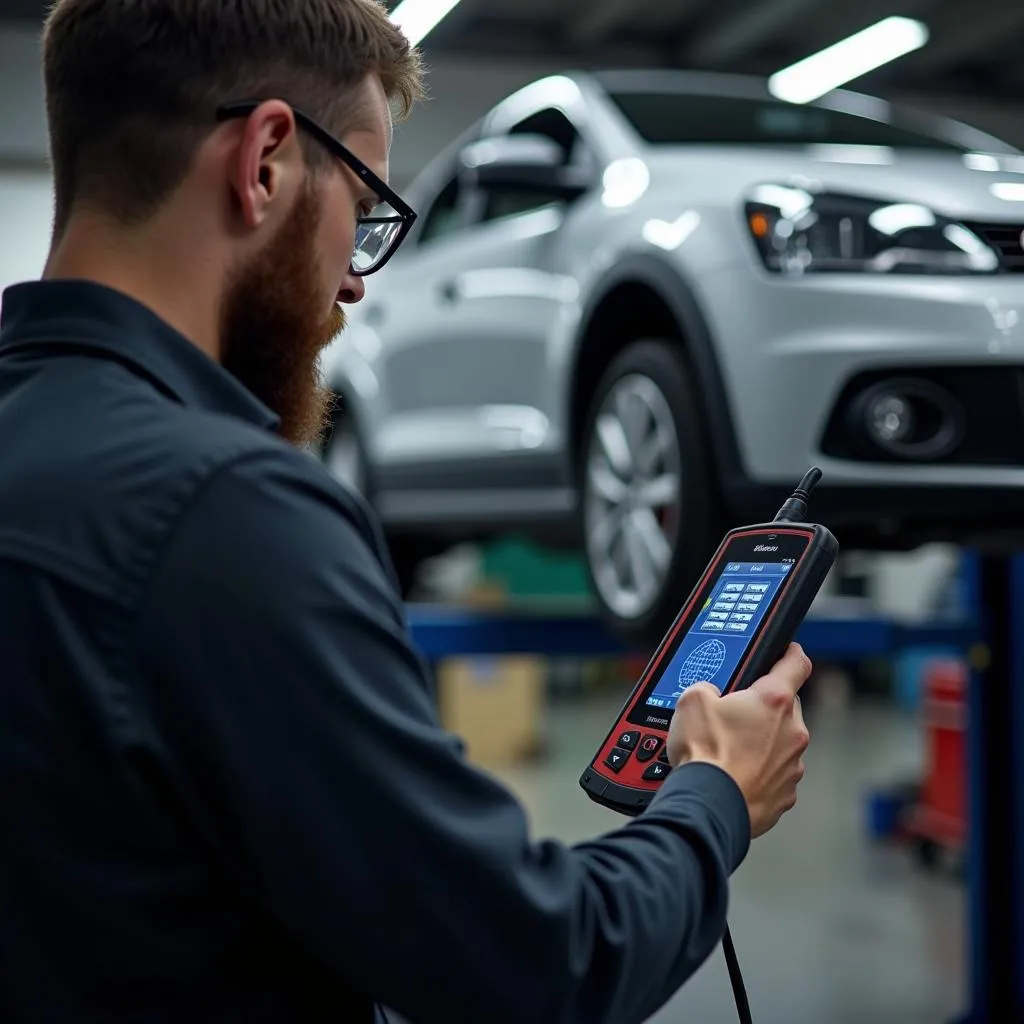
point(637, 306)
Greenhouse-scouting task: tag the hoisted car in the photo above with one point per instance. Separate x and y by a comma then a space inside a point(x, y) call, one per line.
point(637, 305)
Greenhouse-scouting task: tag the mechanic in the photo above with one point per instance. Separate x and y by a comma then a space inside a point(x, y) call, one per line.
point(225, 794)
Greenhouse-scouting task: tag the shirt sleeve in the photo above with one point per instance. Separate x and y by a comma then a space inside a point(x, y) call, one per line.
point(278, 670)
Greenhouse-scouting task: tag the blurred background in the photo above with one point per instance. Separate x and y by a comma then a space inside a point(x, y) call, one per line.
point(845, 914)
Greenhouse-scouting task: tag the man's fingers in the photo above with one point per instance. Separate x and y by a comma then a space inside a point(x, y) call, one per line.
point(789, 674)
point(798, 713)
point(803, 734)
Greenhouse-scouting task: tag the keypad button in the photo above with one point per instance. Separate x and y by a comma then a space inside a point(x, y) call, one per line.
point(627, 740)
point(616, 759)
point(656, 771)
point(663, 756)
point(648, 747)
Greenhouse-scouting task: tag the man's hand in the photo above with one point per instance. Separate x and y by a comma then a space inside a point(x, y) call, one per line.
point(757, 736)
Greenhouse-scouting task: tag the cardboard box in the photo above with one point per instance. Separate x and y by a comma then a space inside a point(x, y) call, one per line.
point(496, 705)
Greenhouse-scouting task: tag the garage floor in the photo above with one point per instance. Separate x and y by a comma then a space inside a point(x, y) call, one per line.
point(828, 929)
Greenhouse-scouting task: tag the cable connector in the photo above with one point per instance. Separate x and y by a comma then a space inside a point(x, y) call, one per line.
point(795, 508)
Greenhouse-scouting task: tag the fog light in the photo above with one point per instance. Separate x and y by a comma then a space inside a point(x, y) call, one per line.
point(890, 418)
point(908, 419)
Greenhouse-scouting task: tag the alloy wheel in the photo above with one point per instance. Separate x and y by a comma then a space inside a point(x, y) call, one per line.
point(632, 496)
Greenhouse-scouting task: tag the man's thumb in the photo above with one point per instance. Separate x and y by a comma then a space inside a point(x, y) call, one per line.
point(699, 691)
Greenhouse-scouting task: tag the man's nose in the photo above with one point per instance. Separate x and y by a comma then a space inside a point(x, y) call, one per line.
point(353, 289)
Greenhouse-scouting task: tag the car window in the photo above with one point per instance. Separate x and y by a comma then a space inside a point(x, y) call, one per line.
point(445, 214)
point(500, 203)
point(675, 118)
point(554, 125)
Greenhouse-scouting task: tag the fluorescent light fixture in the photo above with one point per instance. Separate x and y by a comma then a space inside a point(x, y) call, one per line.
point(848, 59)
point(417, 18)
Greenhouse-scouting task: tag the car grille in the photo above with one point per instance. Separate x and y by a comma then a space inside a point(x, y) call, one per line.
point(1006, 239)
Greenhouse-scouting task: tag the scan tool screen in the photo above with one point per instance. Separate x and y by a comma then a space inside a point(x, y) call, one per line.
point(726, 620)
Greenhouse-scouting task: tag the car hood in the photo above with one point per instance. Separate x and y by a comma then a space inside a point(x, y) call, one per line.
point(944, 181)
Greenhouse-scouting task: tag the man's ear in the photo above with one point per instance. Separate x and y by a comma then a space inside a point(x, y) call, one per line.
point(266, 161)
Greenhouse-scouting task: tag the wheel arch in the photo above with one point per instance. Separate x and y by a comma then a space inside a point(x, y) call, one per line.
point(643, 297)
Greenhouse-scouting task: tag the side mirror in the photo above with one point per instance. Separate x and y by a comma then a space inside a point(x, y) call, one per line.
point(524, 163)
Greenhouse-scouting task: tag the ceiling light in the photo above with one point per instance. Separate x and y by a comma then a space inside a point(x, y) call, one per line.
point(848, 59)
point(417, 18)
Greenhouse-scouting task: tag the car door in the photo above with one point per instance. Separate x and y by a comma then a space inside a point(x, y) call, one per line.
point(465, 322)
point(501, 297)
point(388, 356)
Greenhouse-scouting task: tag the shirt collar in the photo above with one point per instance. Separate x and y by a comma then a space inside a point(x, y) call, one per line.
point(93, 316)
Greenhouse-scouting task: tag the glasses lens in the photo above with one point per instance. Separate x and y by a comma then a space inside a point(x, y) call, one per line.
point(375, 236)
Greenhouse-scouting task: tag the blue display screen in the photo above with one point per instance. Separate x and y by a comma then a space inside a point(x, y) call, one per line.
point(715, 644)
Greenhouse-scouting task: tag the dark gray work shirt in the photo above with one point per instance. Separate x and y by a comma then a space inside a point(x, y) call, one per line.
point(225, 795)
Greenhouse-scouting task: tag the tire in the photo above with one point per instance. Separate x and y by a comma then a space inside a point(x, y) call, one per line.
point(646, 540)
point(344, 457)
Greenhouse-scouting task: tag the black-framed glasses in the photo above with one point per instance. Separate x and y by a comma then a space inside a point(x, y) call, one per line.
point(378, 234)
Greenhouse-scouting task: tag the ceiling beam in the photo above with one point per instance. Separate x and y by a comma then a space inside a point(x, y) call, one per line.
point(1009, 77)
point(957, 39)
point(598, 18)
point(734, 35)
point(517, 40)
point(22, 10)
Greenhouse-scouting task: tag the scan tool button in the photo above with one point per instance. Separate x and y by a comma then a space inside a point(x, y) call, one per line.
point(627, 740)
point(648, 748)
point(616, 759)
point(656, 772)
point(663, 756)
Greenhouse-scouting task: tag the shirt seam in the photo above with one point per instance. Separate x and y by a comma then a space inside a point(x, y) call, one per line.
point(135, 610)
point(27, 549)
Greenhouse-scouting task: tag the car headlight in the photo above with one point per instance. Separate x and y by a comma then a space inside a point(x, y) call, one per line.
point(801, 232)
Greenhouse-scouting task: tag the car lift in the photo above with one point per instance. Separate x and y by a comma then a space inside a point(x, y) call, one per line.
point(995, 790)
point(991, 638)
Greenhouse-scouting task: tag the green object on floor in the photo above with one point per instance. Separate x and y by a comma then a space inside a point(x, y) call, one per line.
point(526, 570)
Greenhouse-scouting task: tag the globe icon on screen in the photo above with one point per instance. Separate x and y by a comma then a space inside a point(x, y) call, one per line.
point(702, 664)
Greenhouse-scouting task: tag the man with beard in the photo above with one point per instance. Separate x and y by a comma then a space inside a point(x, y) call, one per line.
point(224, 791)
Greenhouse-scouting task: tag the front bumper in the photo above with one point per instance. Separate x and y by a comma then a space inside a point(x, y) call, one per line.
point(788, 351)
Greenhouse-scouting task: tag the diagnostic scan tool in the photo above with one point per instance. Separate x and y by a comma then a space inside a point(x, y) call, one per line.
point(736, 624)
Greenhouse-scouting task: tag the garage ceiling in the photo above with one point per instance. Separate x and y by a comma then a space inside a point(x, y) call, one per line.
point(974, 49)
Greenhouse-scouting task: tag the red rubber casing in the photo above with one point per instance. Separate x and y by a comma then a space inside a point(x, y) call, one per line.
point(624, 790)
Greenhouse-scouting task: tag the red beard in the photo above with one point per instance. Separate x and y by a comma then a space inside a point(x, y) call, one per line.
point(272, 335)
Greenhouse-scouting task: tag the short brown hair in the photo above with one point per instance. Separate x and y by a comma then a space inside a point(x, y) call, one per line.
point(133, 86)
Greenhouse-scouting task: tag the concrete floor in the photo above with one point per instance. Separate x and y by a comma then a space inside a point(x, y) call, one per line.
point(829, 929)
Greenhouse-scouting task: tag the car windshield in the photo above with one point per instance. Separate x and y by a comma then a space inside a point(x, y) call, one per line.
point(677, 118)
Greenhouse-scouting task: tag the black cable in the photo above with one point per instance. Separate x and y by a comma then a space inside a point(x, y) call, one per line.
point(792, 511)
point(738, 990)
point(795, 507)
